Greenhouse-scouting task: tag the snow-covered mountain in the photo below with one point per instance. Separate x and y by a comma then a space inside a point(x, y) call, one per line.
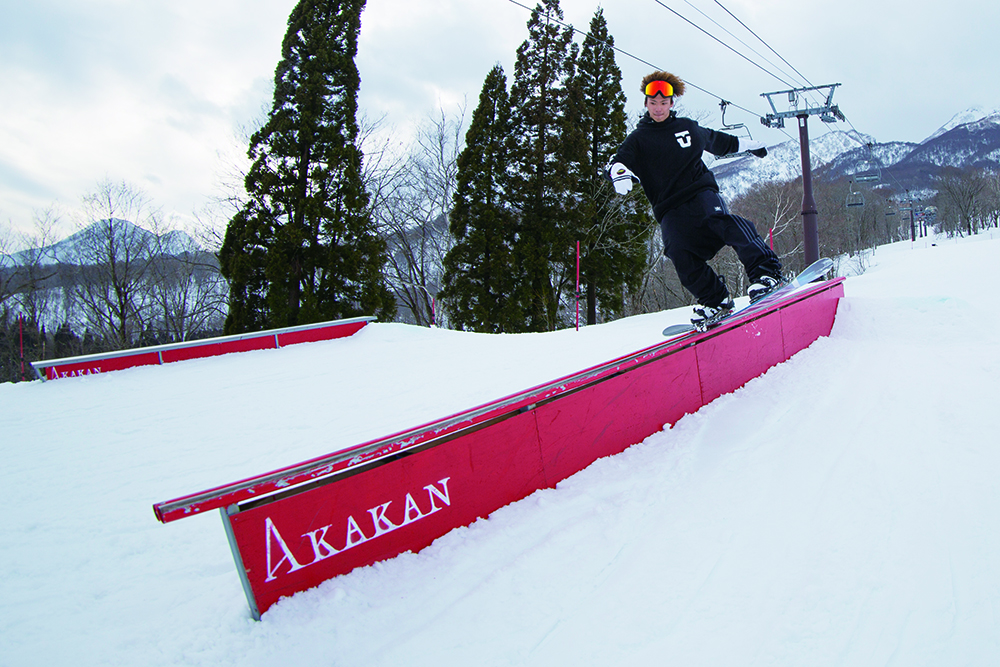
point(784, 161)
point(970, 139)
point(973, 144)
point(869, 158)
point(971, 115)
point(76, 248)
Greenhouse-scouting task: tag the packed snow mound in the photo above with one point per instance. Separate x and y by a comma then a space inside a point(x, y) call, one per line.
point(840, 505)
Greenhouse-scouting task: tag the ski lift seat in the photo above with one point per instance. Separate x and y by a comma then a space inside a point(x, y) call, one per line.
point(868, 176)
point(854, 198)
point(733, 128)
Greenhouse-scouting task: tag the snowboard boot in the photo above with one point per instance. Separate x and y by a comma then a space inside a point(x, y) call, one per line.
point(762, 287)
point(706, 316)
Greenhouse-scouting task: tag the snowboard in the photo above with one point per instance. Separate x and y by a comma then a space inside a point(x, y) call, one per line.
point(812, 272)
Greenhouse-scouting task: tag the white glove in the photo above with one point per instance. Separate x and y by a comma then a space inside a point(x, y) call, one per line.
point(753, 147)
point(621, 178)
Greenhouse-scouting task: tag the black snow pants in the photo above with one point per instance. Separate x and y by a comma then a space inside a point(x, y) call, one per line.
point(697, 230)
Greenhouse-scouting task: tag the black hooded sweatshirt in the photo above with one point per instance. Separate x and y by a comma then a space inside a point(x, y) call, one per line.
point(666, 158)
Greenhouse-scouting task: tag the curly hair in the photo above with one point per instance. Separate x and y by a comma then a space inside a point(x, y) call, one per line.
point(672, 79)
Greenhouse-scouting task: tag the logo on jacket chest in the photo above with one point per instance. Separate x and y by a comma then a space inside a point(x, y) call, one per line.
point(683, 138)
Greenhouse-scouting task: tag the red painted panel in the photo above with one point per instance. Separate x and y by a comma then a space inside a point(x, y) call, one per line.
point(319, 333)
point(302, 540)
point(104, 365)
point(732, 358)
point(210, 349)
point(803, 322)
point(612, 415)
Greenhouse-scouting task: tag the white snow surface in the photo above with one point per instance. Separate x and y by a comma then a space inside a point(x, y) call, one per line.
point(842, 509)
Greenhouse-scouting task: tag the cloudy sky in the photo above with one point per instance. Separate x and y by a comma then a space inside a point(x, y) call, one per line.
point(158, 93)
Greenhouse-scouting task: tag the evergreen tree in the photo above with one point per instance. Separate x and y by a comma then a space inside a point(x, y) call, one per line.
point(614, 230)
point(303, 247)
point(480, 272)
point(544, 143)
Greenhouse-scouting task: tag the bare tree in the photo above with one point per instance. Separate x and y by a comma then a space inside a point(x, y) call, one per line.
point(384, 165)
point(776, 208)
point(113, 255)
point(188, 295)
point(8, 268)
point(412, 196)
point(991, 201)
point(26, 277)
point(27, 296)
point(960, 199)
point(37, 270)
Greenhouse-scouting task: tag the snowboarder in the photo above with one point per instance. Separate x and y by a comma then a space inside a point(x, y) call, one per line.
point(664, 154)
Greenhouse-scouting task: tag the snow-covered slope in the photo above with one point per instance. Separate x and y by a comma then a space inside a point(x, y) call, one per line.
point(841, 509)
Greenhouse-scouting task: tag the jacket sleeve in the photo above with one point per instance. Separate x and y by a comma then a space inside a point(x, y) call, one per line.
point(627, 155)
point(720, 143)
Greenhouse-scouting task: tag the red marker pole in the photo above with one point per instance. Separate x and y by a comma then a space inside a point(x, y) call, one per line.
point(20, 322)
point(577, 285)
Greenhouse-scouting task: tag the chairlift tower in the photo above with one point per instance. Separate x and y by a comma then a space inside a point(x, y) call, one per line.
point(828, 112)
point(908, 207)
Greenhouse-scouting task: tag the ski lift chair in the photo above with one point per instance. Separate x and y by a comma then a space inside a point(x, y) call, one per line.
point(869, 176)
point(735, 127)
point(872, 173)
point(854, 198)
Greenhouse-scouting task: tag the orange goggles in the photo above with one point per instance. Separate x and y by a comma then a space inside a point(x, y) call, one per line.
point(664, 88)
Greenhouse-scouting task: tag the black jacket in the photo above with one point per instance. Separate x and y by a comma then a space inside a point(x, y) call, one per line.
point(666, 158)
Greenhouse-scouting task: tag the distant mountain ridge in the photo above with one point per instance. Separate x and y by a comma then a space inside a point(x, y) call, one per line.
point(970, 115)
point(71, 250)
point(970, 139)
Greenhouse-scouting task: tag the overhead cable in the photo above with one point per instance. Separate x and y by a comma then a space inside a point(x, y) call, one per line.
point(695, 25)
point(730, 33)
point(634, 57)
point(761, 40)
